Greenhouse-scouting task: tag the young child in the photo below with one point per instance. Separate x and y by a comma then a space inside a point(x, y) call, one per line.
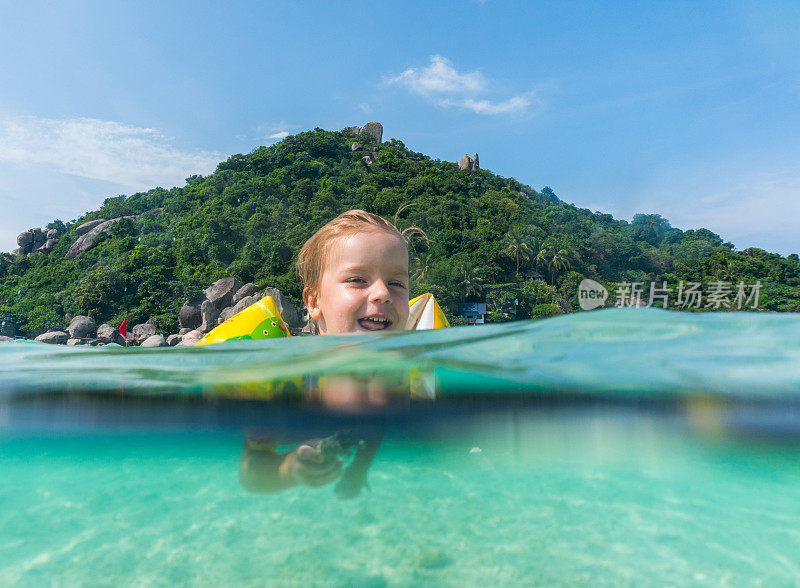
point(355, 277)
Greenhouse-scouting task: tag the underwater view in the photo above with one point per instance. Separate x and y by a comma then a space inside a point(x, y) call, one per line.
point(614, 447)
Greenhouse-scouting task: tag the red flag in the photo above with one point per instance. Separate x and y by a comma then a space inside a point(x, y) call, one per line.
point(123, 328)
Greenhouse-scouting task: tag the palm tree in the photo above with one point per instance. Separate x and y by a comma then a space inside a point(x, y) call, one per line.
point(559, 260)
point(420, 266)
point(517, 247)
point(469, 282)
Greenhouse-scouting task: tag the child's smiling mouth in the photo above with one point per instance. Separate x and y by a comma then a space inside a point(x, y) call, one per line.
point(374, 323)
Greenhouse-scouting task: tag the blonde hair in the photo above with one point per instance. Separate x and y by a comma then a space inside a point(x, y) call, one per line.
point(314, 254)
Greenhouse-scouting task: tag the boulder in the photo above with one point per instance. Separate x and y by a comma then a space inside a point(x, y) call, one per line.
point(77, 341)
point(182, 332)
point(108, 334)
point(52, 233)
point(190, 338)
point(288, 312)
point(4, 338)
point(367, 159)
point(221, 292)
point(24, 239)
point(356, 147)
point(82, 327)
point(48, 246)
point(465, 163)
point(39, 236)
point(88, 226)
point(475, 164)
point(373, 128)
point(17, 252)
point(210, 316)
point(243, 292)
point(55, 337)
point(87, 238)
point(237, 308)
point(154, 341)
point(173, 340)
point(189, 316)
point(142, 332)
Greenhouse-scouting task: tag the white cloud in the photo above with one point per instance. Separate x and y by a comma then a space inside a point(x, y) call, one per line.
point(445, 86)
point(135, 158)
point(439, 77)
point(513, 104)
point(279, 135)
point(364, 107)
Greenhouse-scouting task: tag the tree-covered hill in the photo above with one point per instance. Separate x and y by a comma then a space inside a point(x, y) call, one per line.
point(489, 238)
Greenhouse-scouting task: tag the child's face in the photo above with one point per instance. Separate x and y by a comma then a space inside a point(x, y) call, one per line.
point(364, 285)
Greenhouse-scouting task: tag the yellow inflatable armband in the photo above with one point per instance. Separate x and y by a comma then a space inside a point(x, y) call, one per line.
point(260, 320)
point(425, 313)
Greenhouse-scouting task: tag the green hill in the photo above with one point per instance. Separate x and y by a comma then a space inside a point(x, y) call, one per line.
point(490, 238)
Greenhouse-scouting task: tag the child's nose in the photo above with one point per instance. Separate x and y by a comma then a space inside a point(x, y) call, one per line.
point(380, 292)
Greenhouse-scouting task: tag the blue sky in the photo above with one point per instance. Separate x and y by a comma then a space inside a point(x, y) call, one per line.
point(688, 109)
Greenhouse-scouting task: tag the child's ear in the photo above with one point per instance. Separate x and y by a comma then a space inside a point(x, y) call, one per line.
point(312, 304)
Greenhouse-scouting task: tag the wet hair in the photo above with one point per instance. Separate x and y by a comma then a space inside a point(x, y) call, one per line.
point(314, 254)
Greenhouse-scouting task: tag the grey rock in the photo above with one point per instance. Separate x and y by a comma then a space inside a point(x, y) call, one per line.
point(173, 340)
point(182, 332)
point(190, 338)
point(475, 164)
point(17, 252)
point(367, 159)
point(210, 315)
point(24, 239)
point(82, 327)
point(246, 290)
point(142, 332)
point(52, 233)
point(4, 338)
point(76, 341)
point(221, 292)
point(39, 236)
point(465, 163)
point(48, 246)
point(87, 239)
point(373, 128)
point(237, 308)
point(154, 341)
point(189, 316)
point(356, 147)
point(108, 334)
point(88, 226)
point(288, 312)
point(55, 337)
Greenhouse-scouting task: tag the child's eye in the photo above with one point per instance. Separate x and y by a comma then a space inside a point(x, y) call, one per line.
point(398, 284)
point(355, 280)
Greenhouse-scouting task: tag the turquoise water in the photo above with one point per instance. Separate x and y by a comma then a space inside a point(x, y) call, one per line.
point(619, 447)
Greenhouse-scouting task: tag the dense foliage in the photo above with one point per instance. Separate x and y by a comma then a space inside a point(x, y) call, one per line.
point(489, 238)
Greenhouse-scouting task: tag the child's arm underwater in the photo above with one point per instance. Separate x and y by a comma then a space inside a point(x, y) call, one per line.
point(263, 470)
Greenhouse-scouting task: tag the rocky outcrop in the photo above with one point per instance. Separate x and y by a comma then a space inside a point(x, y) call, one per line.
point(82, 327)
point(231, 311)
point(34, 240)
point(139, 333)
point(243, 292)
point(92, 230)
point(54, 337)
point(173, 340)
point(356, 147)
point(154, 341)
point(107, 334)
point(189, 316)
point(88, 226)
point(210, 315)
point(221, 292)
point(469, 163)
point(375, 129)
point(190, 338)
point(288, 312)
